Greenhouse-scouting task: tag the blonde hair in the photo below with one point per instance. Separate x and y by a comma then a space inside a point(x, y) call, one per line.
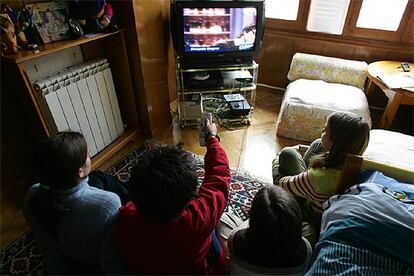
point(349, 135)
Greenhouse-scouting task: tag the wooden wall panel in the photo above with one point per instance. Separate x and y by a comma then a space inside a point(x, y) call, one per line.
point(408, 36)
point(279, 47)
point(274, 60)
point(151, 40)
point(126, 19)
point(171, 73)
point(144, 21)
point(121, 72)
point(170, 52)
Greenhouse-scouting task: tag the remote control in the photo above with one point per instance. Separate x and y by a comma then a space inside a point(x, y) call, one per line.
point(202, 134)
point(405, 66)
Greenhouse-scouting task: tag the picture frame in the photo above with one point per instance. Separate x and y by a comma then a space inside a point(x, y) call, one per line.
point(50, 19)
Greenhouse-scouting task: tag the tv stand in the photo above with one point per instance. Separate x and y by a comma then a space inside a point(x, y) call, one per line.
point(195, 95)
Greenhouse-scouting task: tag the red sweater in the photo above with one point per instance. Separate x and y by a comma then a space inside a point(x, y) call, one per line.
point(181, 246)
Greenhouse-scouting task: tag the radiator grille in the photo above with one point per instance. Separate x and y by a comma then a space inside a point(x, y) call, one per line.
point(83, 99)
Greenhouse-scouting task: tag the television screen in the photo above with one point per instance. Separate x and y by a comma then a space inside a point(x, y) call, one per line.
point(214, 30)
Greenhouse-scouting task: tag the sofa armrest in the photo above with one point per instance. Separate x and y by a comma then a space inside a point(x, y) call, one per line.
point(329, 69)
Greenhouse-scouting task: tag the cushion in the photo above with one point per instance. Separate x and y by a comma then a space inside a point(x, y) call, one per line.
point(367, 231)
point(307, 104)
point(334, 70)
point(392, 148)
point(404, 191)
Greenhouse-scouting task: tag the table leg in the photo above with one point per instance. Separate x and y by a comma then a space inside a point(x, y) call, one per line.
point(369, 87)
point(394, 101)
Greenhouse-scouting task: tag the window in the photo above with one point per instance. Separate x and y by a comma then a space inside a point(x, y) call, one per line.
point(384, 20)
point(381, 14)
point(380, 20)
point(327, 16)
point(282, 9)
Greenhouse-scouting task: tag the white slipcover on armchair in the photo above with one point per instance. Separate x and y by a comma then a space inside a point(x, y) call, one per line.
point(319, 87)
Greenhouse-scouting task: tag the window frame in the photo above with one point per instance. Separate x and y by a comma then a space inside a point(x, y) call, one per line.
point(352, 30)
point(298, 24)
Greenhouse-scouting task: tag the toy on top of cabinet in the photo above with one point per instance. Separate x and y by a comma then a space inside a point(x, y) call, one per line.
point(8, 39)
point(93, 15)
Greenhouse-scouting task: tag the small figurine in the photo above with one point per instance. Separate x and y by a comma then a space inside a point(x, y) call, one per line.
point(18, 25)
point(8, 37)
point(93, 15)
point(24, 28)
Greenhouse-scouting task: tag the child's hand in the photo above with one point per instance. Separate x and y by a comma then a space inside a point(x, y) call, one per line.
point(210, 126)
point(301, 149)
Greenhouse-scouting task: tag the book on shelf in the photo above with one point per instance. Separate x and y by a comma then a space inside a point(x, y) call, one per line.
point(397, 80)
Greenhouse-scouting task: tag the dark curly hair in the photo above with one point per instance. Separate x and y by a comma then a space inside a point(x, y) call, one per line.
point(162, 183)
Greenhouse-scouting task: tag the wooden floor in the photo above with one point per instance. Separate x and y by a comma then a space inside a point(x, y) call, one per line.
point(251, 148)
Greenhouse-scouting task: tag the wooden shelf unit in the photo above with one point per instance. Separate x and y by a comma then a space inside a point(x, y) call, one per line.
point(108, 45)
point(45, 49)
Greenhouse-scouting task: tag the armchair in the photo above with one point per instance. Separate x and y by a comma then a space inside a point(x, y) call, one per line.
point(319, 87)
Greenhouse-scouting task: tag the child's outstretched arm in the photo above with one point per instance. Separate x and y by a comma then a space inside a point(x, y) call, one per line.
point(214, 192)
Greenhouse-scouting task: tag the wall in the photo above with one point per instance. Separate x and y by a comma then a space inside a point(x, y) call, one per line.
point(279, 47)
point(281, 42)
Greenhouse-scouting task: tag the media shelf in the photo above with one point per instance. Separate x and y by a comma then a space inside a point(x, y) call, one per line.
point(203, 89)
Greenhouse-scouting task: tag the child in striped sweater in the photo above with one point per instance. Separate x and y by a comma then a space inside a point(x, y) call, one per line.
point(314, 177)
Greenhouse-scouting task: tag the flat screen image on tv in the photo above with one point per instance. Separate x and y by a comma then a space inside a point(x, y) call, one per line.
point(215, 30)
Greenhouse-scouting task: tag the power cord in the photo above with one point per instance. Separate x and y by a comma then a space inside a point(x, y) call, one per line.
point(246, 129)
point(243, 147)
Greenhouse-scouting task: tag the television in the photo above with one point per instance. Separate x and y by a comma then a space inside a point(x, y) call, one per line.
point(216, 32)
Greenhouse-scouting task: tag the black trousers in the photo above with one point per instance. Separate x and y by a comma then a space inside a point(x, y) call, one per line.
point(107, 182)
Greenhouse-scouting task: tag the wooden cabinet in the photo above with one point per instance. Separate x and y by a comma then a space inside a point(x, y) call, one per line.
point(26, 120)
point(146, 25)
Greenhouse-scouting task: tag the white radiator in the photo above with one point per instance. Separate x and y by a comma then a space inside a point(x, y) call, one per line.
point(83, 99)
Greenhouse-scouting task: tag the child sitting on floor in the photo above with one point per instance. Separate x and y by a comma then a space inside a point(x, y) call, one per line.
point(168, 227)
point(270, 242)
point(314, 177)
point(73, 222)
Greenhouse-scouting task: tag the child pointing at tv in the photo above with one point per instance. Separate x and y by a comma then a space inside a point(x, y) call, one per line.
point(169, 226)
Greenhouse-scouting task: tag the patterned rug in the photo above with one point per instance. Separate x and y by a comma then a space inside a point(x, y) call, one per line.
point(22, 257)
